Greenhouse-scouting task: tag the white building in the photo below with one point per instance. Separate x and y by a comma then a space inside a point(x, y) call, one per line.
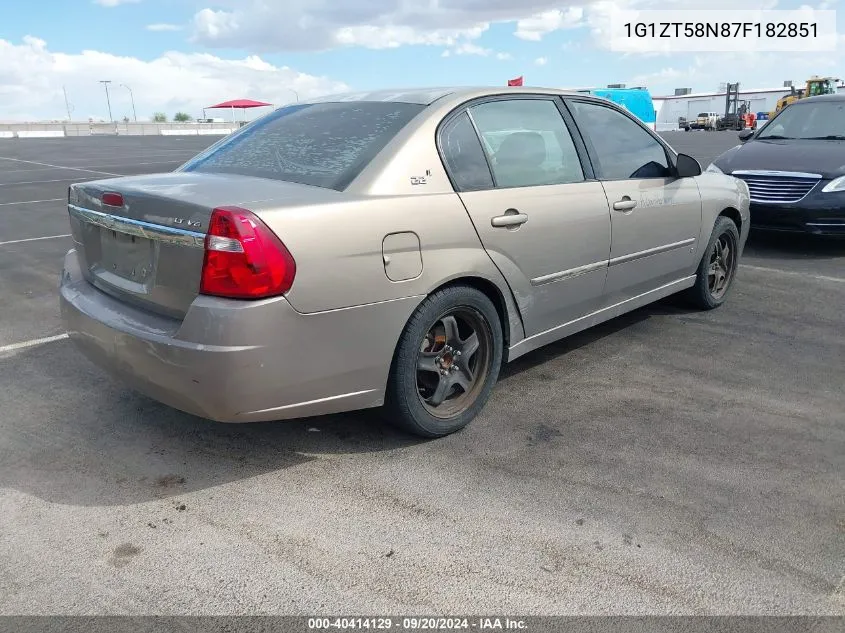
point(668, 109)
point(671, 108)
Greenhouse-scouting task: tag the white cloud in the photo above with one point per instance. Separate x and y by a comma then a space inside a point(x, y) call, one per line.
point(665, 75)
point(32, 76)
point(114, 3)
point(541, 61)
point(535, 27)
point(707, 72)
point(262, 26)
point(164, 27)
point(395, 36)
point(468, 48)
point(290, 25)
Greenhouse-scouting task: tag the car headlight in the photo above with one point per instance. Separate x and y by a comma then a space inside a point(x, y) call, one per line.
point(712, 169)
point(835, 185)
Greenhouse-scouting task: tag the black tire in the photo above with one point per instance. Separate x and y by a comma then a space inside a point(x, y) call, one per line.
point(433, 352)
point(713, 284)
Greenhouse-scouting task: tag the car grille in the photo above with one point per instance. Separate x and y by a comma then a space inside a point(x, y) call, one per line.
point(779, 187)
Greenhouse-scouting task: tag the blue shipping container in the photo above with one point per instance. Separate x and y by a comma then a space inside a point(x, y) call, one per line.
point(636, 100)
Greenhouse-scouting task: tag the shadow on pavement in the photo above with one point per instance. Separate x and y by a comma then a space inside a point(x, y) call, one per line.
point(785, 246)
point(73, 436)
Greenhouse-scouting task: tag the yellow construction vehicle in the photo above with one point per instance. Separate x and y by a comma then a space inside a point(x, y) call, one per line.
point(815, 86)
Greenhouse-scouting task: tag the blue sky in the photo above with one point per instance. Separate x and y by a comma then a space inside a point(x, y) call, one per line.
point(183, 54)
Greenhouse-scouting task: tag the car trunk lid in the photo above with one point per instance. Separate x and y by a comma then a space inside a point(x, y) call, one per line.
point(148, 251)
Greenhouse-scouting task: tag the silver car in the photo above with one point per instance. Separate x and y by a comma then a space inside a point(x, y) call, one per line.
point(389, 249)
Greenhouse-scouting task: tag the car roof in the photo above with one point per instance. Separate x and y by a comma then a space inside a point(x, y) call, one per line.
point(817, 98)
point(427, 96)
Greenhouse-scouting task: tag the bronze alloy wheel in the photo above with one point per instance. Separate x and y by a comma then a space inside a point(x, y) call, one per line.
point(453, 362)
point(722, 267)
point(718, 266)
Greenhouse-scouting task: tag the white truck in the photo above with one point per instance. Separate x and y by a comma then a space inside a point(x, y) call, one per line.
point(705, 121)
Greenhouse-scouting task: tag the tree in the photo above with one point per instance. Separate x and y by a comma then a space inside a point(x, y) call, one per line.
point(182, 117)
point(160, 117)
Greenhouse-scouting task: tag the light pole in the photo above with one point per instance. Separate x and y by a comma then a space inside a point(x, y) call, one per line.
point(67, 105)
point(296, 93)
point(106, 83)
point(132, 97)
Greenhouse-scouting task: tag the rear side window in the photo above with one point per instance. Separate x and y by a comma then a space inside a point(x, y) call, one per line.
point(464, 156)
point(528, 143)
point(322, 144)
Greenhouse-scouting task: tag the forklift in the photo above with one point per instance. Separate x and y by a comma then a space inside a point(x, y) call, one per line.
point(736, 112)
point(748, 118)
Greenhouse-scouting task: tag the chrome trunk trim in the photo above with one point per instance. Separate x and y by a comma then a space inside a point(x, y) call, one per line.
point(138, 228)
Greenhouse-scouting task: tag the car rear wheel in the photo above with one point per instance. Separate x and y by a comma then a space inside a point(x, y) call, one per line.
point(446, 363)
point(718, 266)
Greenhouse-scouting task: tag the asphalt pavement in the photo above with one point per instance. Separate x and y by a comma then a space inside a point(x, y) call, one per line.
point(667, 462)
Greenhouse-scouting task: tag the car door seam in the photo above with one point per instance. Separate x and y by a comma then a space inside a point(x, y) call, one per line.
point(507, 283)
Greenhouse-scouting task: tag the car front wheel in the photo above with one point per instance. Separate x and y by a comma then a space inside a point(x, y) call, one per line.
point(718, 266)
point(446, 363)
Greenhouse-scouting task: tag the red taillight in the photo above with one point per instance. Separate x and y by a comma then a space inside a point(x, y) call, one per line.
point(244, 259)
point(113, 199)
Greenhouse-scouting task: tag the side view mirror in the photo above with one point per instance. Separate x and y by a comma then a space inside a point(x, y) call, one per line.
point(687, 166)
point(745, 135)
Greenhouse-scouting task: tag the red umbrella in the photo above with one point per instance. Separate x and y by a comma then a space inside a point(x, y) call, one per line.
point(240, 103)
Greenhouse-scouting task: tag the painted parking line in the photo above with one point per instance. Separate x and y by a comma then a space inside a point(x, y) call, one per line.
point(89, 165)
point(155, 162)
point(31, 343)
point(38, 182)
point(35, 239)
point(6, 204)
point(792, 273)
point(33, 162)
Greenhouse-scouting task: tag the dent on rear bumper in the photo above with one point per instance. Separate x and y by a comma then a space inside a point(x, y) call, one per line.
point(234, 361)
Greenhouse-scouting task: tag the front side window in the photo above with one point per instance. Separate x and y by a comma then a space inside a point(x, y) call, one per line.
point(528, 143)
point(623, 149)
point(320, 144)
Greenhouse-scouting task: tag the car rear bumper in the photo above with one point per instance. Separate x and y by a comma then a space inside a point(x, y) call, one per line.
point(233, 361)
point(811, 215)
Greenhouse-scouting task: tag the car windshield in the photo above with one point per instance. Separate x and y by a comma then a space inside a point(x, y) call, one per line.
point(321, 144)
point(822, 120)
point(702, 114)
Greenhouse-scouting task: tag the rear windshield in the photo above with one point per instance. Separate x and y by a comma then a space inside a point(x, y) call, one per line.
point(322, 144)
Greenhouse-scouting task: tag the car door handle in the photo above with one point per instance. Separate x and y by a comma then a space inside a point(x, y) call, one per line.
point(509, 219)
point(625, 204)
